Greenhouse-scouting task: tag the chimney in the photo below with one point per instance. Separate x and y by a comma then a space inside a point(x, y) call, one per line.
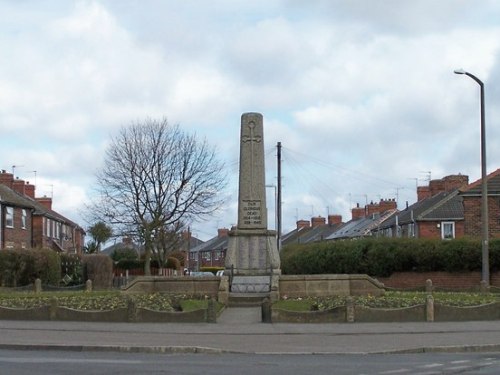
point(6, 178)
point(436, 186)
point(303, 224)
point(18, 186)
point(358, 212)
point(317, 221)
point(334, 219)
point(455, 182)
point(387, 204)
point(423, 192)
point(29, 190)
point(46, 202)
point(222, 232)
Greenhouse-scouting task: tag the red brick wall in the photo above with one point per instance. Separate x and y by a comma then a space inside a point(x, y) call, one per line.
point(17, 236)
point(472, 216)
point(409, 280)
point(429, 229)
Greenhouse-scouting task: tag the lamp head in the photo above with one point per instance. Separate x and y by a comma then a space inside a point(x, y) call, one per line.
point(459, 71)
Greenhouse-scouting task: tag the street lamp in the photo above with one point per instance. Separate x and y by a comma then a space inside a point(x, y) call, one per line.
point(485, 274)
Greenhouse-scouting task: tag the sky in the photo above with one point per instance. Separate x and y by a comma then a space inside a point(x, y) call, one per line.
point(360, 93)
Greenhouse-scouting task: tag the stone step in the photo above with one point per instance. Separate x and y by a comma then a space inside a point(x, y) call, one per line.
point(246, 299)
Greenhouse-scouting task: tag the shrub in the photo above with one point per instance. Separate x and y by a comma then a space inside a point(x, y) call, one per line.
point(173, 263)
point(124, 253)
point(99, 269)
point(384, 256)
point(47, 266)
point(16, 267)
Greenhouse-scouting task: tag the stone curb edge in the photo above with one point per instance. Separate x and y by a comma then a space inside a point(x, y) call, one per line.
point(207, 350)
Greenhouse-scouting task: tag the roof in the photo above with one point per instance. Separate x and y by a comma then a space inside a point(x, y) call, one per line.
point(475, 188)
point(309, 234)
point(9, 196)
point(441, 206)
point(215, 243)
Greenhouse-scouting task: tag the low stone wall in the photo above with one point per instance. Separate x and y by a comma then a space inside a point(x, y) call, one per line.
point(195, 286)
point(419, 313)
point(130, 314)
point(294, 286)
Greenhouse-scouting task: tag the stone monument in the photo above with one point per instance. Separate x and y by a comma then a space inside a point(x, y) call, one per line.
point(252, 248)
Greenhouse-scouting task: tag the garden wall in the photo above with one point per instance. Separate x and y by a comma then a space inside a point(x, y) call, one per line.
point(294, 286)
point(462, 281)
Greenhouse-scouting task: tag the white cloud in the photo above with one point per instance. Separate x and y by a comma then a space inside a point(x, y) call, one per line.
point(357, 92)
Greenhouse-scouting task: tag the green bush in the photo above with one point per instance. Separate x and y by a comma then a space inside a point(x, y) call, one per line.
point(124, 253)
point(47, 266)
point(384, 256)
point(16, 267)
point(99, 269)
point(173, 263)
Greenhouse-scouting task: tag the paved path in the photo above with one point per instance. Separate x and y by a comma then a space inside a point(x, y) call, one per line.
point(239, 330)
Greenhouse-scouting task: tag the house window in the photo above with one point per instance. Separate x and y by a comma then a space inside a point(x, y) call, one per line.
point(217, 255)
point(23, 219)
point(48, 227)
point(207, 256)
point(447, 230)
point(9, 217)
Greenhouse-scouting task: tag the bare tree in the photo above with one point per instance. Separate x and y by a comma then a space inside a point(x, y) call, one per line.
point(155, 176)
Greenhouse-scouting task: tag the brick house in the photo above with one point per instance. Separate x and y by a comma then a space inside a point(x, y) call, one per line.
point(438, 212)
point(471, 196)
point(15, 220)
point(315, 230)
point(365, 220)
point(211, 253)
point(28, 221)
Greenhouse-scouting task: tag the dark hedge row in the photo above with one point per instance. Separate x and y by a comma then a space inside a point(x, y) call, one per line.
point(19, 267)
point(383, 256)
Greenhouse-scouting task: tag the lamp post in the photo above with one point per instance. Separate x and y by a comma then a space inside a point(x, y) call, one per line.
point(485, 273)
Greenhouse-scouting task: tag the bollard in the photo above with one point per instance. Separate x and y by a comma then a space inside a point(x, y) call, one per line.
point(88, 286)
point(350, 310)
point(266, 309)
point(131, 310)
point(429, 308)
point(428, 286)
point(211, 311)
point(38, 286)
point(54, 306)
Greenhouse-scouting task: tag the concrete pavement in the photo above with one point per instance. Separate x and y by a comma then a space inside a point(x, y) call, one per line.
point(238, 330)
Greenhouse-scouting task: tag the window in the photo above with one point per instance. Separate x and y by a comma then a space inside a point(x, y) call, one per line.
point(9, 217)
point(447, 230)
point(218, 255)
point(23, 219)
point(48, 227)
point(207, 256)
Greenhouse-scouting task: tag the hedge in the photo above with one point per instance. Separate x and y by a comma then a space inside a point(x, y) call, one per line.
point(20, 267)
point(384, 256)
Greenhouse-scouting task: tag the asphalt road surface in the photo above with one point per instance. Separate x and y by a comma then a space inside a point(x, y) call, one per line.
point(28, 362)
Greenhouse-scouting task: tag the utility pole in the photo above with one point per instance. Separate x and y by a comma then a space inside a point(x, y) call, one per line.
point(278, 199)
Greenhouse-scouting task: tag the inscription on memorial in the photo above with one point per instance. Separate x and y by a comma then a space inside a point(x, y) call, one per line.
point(252, 213)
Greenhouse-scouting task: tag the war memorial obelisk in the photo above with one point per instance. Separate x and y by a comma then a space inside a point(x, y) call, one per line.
point(252, 248)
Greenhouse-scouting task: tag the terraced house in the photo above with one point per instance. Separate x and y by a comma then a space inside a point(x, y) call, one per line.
point(27, 221)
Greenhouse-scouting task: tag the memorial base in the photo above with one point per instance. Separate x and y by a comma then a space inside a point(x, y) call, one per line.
point(252, 252)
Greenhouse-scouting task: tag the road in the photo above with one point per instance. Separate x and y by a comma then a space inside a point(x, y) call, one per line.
point(62, 362)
